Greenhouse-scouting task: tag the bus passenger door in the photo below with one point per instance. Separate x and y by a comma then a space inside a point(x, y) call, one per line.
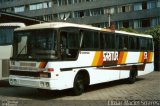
point(122, 47)
point(69, 43)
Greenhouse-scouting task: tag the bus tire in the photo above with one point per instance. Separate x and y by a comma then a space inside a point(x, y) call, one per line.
point(78, 86)
point(133, 75)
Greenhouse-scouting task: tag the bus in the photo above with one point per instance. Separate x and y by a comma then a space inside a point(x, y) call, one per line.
point(61, 55)
point(6, 35)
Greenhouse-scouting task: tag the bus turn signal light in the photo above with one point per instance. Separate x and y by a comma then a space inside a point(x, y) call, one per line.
point(50, 69)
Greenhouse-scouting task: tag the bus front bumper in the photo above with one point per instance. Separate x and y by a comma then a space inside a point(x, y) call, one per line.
point(32, 82)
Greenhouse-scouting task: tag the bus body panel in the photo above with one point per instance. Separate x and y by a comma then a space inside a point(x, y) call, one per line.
point(102, 64)
point(6, 49)
point(65, 71)
point(6, 52)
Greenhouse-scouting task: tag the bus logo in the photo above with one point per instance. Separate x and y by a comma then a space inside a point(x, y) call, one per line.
point(110, 56)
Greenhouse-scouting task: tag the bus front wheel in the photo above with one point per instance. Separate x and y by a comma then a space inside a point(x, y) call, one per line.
point(133, 75)
point(78, 87)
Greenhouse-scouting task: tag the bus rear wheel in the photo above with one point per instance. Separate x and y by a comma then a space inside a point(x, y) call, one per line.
point(78, 87)
point(133, 75)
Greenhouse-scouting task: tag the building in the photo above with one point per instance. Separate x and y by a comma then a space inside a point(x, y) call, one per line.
point(137, 14)
point(6, 17)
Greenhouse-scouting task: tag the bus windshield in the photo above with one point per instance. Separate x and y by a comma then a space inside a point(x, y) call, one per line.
point(35, 44)
point(6, 35)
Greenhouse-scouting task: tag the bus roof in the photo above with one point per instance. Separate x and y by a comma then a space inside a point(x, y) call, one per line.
point(135, 34)
point(17, 24)
point(65, 24)
point(57, 25)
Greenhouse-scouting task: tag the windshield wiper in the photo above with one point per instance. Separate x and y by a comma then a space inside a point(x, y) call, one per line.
point(22, 50)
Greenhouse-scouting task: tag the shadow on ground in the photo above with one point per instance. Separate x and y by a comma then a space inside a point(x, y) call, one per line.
point(31, 93)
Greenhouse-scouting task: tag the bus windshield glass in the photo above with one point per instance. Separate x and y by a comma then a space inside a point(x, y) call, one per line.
point(35, 44)
point(6, 35)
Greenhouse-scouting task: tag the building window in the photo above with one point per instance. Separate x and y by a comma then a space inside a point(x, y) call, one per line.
point(110, 10)
point(145, 22)
point(137, 6)
point(151, 4)
point(126, 8)
point(154, 22)
point(64, 16)
point(144, 5)
point(69, 1)
point(140, 6)
point(40, 6)
point(19, 9)
point(80, 1)
point(32, 7)
point(79, 14)
point(64, 2)
point(45, 5)
point(7, 9)
point(95, 12)
point(125, 24)
point(54, 1)
point(158, 3)
point(101, 25)
point(49, 4)
point(137, 24)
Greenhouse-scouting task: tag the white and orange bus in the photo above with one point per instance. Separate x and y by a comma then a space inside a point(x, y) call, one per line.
point(59, 55)
point(6, 39)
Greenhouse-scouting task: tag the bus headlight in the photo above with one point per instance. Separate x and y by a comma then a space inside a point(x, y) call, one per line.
point(15, 81)
point(10, 81)
point(42, 84)
point(47, 84)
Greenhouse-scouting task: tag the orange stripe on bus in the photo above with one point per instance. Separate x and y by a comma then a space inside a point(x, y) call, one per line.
point(120, 58)
point(98, 58)
point(42, 64)
point(150, 56)
point(100, 62)
point(124, 58)
point(141, 57)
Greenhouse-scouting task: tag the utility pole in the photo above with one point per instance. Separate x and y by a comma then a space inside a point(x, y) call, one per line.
point(109, 13)
point(109, 19)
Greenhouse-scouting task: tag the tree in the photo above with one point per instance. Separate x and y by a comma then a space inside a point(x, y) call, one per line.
point(155, 32)
point(129, 30)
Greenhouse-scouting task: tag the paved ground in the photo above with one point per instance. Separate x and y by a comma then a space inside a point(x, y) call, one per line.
point(146, 91)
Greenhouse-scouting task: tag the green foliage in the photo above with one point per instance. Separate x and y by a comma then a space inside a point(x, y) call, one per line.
point(155, 32)
point(129, 30)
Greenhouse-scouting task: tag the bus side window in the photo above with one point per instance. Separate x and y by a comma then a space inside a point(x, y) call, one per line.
point(150, 47)
point(125, 43)
point(87, 42)
point(90, 40)
point(132, 43)
point(122, 42)
point(96, 40)
point(69, 44)
point(143, 44)
point(137, 43)
point(102, 41)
